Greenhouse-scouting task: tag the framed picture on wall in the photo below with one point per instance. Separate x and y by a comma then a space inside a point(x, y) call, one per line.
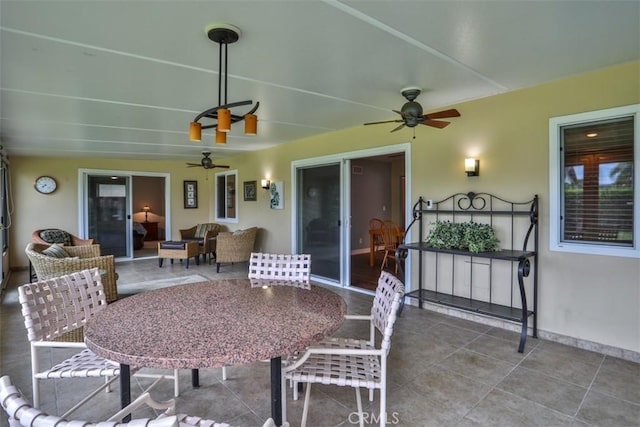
point(190, 194)
point(277, 195)
point(250, 191)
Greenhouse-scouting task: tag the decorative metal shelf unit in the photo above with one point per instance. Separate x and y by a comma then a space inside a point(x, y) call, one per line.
point(515, 223)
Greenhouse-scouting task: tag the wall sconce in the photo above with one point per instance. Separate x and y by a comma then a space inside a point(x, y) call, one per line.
point(146, 210)
point(472, 167)
point(265, 183)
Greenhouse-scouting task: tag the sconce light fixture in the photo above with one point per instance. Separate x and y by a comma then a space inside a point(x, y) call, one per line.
point(265, 183)
point(146, 210)
point(472, 166)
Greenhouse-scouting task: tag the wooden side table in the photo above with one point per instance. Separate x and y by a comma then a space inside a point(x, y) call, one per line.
point(152, 230)
point(178, 250)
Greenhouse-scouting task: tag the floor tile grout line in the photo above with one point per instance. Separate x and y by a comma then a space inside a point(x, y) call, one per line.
point(589, 387)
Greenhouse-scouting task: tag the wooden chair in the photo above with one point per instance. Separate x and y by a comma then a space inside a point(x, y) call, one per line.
point(54, 307)
point(352, 362)
point(390, 238)
point(235, 246)
point(375, 225)
point(21, 413)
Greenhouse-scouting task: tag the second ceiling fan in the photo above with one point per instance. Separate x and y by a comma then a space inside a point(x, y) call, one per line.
point(412, 114)
point(206, 162)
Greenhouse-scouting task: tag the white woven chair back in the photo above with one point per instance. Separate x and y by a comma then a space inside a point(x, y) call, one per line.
point(384, 311)
point(280, 267)
point(55, 306)
point(22, 414)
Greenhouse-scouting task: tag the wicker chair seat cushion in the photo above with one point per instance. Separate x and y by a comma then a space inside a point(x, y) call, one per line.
point(82, 365)
point(173, 244)
point(54, 235)
point(198, 240)
point(339, 369)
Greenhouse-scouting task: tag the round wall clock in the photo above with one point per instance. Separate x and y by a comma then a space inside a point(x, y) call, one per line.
point(45, 185)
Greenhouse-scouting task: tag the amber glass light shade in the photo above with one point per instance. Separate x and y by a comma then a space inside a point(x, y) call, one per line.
point(224, 120)
point(250, 124)
point(221, 137)
point(195, 132)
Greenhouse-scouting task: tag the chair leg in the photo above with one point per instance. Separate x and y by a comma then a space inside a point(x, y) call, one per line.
point(359, 403)
point(35, 386)
point(176, 383)
point(305, 409)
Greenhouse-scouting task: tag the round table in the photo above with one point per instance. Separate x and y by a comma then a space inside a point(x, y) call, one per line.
point(214, 324)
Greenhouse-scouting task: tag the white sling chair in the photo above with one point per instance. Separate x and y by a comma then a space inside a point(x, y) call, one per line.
point(53, 307)
point(22, 414)
point(352, 362)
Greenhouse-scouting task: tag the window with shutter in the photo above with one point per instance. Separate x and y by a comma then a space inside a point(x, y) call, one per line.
point(594, 199)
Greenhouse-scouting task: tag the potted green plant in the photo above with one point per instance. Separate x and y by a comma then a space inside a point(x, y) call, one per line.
point(469, 236)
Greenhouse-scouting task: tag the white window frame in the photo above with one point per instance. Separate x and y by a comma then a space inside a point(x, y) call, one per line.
point(556, 178)
point(226, 196)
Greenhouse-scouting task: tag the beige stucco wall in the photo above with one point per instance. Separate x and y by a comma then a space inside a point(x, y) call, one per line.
point(593, 298)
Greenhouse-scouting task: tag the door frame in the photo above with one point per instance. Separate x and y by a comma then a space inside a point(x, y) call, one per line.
point(344, 159)
point(83, 208)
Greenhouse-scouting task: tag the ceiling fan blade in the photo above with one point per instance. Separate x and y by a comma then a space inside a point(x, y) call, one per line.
point(436, 123)
point(387, 121)
point(219, 166)
point(398, 128)
point(443, 114)
point(400, 112)
point(191, 165)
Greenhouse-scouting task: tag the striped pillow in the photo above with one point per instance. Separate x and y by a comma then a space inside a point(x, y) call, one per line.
point(56, 251)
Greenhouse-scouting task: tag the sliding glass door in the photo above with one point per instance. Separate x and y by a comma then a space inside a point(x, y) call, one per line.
point(319, 221)
point(108, 222)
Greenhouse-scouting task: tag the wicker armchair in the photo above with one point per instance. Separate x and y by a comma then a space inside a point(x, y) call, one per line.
point(81, 258)
point(235, 246)
point(203, 234)
point(61, 236)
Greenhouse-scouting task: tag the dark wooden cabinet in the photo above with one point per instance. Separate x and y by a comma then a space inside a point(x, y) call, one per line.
point(152, 230)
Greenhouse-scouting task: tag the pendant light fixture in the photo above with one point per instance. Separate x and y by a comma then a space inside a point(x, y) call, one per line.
point(223, 34)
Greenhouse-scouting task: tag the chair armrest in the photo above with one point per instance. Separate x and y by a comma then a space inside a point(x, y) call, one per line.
point(188, 232)
point(358, 317)
point(145, 399)
point(84, 251)
point(209, 244)
point(372, 327)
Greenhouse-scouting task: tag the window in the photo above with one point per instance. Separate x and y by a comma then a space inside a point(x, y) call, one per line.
point(594, 195)
point(226, 196)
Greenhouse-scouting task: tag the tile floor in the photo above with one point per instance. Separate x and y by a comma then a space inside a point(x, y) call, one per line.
point(443, 371)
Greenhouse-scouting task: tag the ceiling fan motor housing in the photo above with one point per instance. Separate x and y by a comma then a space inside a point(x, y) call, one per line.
point(412, 113)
